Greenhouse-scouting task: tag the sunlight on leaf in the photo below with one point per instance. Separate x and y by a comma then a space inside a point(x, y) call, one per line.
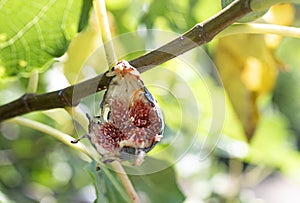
point(86, 41)
point(34, 32)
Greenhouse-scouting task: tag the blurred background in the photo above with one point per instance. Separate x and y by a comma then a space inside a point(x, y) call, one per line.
point(231, 109)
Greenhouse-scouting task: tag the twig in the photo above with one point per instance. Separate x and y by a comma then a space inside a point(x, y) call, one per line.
point(65, 138)
point(125, 181)
point(100, 10)
point(261, 28)
point(111, 57)
point(33, 82)
point(253, 176)
point(71, 96)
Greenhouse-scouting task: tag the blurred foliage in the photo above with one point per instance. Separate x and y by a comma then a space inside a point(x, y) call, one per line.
point(145, 184)
point(246, 74)
point(286, 94)
point(194, 161)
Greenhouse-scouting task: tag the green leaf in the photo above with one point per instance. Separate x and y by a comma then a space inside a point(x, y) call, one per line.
point(107, 185)
point(156, 180)
point(98, 183)
point(34, 32)
point(287, 93)
point(271, 146)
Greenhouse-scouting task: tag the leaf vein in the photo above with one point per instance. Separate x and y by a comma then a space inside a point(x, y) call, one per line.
point(27, 50)
point(34, 21)
point(65, 16)
point(40, 36)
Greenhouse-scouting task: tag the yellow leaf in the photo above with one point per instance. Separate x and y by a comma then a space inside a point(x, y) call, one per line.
point(248, 69)
point(281, 14)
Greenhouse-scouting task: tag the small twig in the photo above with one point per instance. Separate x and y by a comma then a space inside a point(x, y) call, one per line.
point(33, 82)
point(78, 116)
point(71, 96)
point(100, 10)
point(117, 166)
point(253, 176)
point(260, 28)
point(65, 138)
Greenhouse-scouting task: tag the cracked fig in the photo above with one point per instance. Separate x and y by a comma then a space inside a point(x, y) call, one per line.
point(130, 123)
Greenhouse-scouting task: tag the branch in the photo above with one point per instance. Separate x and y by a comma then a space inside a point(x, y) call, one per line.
point(198, 35)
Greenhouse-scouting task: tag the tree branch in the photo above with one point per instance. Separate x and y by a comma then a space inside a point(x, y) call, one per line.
point(71, 96)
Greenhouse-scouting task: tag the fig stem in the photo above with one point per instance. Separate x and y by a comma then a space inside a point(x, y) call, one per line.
point(117, 166)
